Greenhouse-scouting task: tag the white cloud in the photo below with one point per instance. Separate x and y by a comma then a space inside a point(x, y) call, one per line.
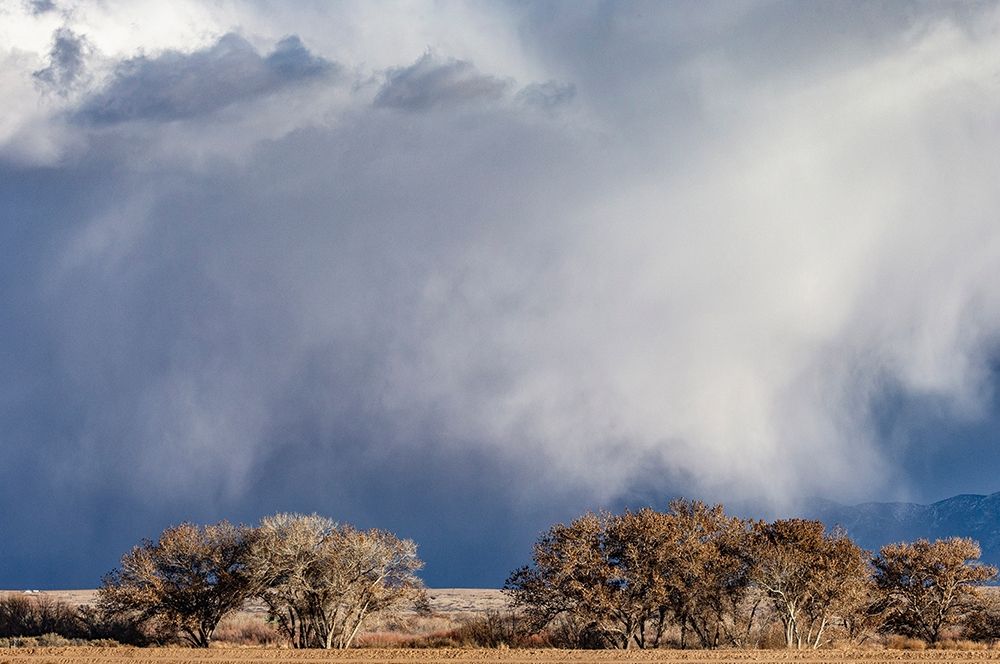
point(704, 266)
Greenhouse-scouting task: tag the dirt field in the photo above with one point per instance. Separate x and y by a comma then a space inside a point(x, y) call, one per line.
point(453, 656)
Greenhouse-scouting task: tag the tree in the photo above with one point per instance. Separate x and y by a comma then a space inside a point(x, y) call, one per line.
point(842, 587)
point(982, 622)
point(638, 545)
point(627, 577)
point(321, 580)
point(187, 580)
point(707, 562)
point(929, 586)
point(573, 576)
point(807, 574)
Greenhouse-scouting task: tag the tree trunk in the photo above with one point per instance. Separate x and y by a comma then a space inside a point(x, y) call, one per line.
point(659, 627)
point(819, 634)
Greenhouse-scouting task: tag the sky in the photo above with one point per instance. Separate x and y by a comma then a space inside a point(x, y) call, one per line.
point(465, 269)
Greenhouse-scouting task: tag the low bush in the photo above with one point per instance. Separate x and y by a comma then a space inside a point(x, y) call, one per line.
point(247, 630)
point(97, 624)
point(54, 641)
point(897, 642)
point(959, 644)
point(492, 629)
point(22, 616)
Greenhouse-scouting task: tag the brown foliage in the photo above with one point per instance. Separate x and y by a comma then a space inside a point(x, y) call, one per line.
point(929, 586)
point(707, 564)
point(571, 575)
point(809, 576)
point(186, 581)
point(982, 622)
point(581, 570)
point(621, 580)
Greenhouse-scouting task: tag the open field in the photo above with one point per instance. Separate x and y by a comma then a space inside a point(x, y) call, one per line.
point(452, 601)
point(449, 607)
point(457, 656)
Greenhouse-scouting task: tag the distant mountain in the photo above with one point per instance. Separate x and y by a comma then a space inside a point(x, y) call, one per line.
point(872, 525)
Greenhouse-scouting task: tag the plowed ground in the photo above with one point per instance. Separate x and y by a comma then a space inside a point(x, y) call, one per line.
point(85, 655)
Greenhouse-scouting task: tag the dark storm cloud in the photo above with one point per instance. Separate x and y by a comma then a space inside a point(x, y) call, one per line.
point(41, 6)
point(248, 359)
point(430, 83)
point(701, 275)
point(66, 62)
point(177, 85)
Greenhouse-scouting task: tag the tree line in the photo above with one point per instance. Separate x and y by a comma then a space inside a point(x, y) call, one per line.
point(691, 577)
point(709, 579)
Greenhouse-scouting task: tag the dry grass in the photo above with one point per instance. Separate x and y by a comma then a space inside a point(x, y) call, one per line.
point(247, 630)
point(450, 610)
point(459, 622)
point(895, 642)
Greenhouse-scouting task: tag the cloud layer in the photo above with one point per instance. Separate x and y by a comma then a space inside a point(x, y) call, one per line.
point(606, 252)
point(174, 85)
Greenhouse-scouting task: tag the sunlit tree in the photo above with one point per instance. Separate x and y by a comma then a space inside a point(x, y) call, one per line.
point(187, 580)
point(810, 576)
point(321, 580)
point(929, 586)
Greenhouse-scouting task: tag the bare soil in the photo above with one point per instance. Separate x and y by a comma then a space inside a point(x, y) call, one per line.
point(84, 655)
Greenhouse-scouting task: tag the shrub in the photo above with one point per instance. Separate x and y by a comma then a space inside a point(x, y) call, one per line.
point(568, 631)
point(959, 644)
point(244, 630)
point(35, 616)
point(492, 629)
point(55, 640)
point(897, 642)
point(100, 625)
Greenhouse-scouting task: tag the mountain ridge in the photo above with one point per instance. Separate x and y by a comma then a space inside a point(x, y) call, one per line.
point(874, 524)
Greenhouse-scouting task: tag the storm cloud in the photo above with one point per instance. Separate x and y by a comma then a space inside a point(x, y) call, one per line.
point(175, 85)
point(66, 62)
point(428, 83)
point(463, 275)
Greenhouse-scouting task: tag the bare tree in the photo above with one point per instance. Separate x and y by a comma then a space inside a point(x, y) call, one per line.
point(638, 545)
point(577, 575)
point(630, 576)
point(929, 586)
point(807, 574)
point(707, 564)
point(188, 580)
point(620, 580)
point(321, 580)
